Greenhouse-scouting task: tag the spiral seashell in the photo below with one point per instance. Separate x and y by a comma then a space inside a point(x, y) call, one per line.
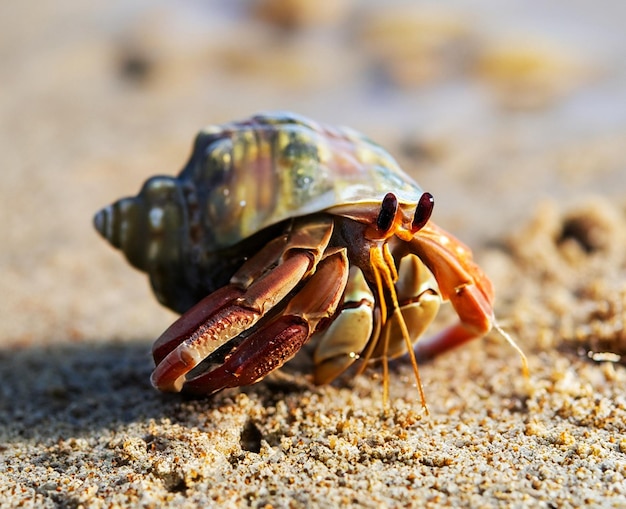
point(242, 184)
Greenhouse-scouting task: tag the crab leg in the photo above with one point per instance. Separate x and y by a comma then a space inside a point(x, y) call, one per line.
point(342, 343)
point(225, 314)
point(273, 344)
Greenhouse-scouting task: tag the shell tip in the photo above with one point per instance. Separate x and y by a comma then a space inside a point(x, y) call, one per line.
point(101, 221)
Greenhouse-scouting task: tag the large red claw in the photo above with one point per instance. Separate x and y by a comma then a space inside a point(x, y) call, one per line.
point(230, 311)
point(274, 343)
point(264, 351)
point(196, 334)
point(218, 318)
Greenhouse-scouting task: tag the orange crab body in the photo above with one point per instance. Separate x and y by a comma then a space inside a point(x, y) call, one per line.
point(280, 229)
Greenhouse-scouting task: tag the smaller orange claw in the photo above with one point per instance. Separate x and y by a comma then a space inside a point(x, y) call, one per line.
point(467, 287)
point(460, 280)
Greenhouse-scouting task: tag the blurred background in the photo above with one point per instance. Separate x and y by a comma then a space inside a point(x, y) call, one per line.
point(492, 106)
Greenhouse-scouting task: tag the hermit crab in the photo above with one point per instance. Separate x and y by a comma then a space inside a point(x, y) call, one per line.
point(280, 230)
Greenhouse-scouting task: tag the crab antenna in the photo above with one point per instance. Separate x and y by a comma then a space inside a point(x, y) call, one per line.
point(382, 272)
point(376, 268)
point(511, 341)
point(409, 346)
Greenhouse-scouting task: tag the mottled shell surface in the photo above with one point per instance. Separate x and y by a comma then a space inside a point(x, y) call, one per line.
point(191, 232)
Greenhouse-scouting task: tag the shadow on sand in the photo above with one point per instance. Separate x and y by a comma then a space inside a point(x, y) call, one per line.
point(76, 388)
point(72, 389)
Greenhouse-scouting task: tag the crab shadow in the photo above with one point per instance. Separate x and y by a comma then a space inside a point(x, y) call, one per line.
point(74, 389)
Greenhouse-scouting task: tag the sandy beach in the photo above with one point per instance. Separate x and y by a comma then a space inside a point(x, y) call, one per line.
point(515, 122)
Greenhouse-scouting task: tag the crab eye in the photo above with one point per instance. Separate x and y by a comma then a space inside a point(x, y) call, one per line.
point(387, 214)
point(423, 211)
